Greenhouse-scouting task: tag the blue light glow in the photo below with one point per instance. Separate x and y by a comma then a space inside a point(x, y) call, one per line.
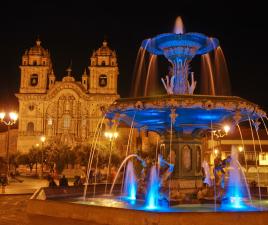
point(130, 185)
point(236, 202)
point(153, 190)
point(236, 194)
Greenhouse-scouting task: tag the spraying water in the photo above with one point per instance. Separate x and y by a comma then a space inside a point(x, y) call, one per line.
point(237, 187)
point(121, 166)
point(152, 194)
point(207, 80)
point(178, 27)
point(222, 79)
point(130, 184)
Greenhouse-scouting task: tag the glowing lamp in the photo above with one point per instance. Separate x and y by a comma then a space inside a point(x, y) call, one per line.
point(43, 138)
point(13, 116)
point(111, 135)
point(226, 128)
point(240, 149)
point(2, 115)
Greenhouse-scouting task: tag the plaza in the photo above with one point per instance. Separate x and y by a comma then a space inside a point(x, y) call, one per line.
point(147, 126)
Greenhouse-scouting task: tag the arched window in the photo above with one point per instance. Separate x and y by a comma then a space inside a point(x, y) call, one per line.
point(34, 79)
point(66, 121)
point(31, 107)
point(103, 63)
point(30, 128)
point(49, 121)
point(102, 80)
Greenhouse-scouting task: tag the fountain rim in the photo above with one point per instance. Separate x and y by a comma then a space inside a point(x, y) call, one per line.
point(179, 98)
point(238, 109)
point(206, 43)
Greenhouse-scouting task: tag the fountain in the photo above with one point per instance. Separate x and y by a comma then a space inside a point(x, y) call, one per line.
point(152, 196)
point(181, 119)
point(130, 184)
point(180, 48)
point(237, 189)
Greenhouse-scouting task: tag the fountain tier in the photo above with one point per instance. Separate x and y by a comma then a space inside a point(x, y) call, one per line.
point(187, 112)
point(180, 49)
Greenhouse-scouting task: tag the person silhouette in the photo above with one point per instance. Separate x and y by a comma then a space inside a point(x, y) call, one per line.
point(63, 181)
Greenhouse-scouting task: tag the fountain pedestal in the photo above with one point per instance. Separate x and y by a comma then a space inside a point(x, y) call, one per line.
point(186, 155)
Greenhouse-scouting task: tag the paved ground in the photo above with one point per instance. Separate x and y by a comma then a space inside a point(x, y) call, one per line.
point(13, 209)
point(24, 185)
point(14, 198)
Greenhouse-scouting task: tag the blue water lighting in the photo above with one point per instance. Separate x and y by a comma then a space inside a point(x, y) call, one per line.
point(130, 185)
point(236, 194)
point(237, 202)
point(152, 195)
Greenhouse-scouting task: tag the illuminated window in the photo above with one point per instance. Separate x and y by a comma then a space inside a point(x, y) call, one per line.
point(49, 121)
point(102, 80)
point(67, 121)
point(263, 159)
point(34, 79)
point(30, 127)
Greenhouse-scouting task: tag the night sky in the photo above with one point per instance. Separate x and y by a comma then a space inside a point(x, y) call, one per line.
point(71, 31)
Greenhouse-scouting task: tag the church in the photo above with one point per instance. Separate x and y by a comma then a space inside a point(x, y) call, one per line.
point(67, 111)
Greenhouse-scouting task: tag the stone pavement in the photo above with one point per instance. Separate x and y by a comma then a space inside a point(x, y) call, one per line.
point(13, 209)
point(26, 186)
point(13, 200)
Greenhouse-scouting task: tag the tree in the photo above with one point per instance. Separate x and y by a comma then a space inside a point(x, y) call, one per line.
point(14, 160)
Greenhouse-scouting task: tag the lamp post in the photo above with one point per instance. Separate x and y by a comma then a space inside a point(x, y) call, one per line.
point(13, 117)
point(43, 139)
point(222, 132)
point(111, 135)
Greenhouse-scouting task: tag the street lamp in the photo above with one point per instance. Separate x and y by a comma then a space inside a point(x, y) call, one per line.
point(11, 120)
point(240, 148)
point(43, 139)
point(111, 135)
point(222, 132)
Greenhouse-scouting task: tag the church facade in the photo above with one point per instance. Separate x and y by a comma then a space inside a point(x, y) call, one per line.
point(66, 111)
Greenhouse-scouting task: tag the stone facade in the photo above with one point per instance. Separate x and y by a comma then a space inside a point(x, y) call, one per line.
point(66, 111)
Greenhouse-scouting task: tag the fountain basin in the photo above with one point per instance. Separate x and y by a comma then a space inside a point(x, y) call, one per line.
point(67, 211)
point(193, 111)
point(186, 46)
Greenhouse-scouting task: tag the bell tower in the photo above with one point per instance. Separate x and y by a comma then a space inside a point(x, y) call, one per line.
point(103, 71)
point(35, 68)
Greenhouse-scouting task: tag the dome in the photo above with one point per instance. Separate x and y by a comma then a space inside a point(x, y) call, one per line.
point(68, 77)
point(37, 50)
point(104, 50)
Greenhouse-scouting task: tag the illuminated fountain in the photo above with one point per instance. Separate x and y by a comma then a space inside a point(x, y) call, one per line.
point(153, 189)
point(181, 119)
point(130, 183)
point(237, 194)
point(180, 48)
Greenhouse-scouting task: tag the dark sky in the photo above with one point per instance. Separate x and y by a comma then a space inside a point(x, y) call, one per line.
point(71, 31)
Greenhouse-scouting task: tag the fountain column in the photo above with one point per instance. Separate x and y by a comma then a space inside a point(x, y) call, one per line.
point(180, 79)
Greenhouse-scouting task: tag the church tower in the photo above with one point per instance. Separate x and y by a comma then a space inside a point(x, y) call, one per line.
point(35, 67)
point(103, 71)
